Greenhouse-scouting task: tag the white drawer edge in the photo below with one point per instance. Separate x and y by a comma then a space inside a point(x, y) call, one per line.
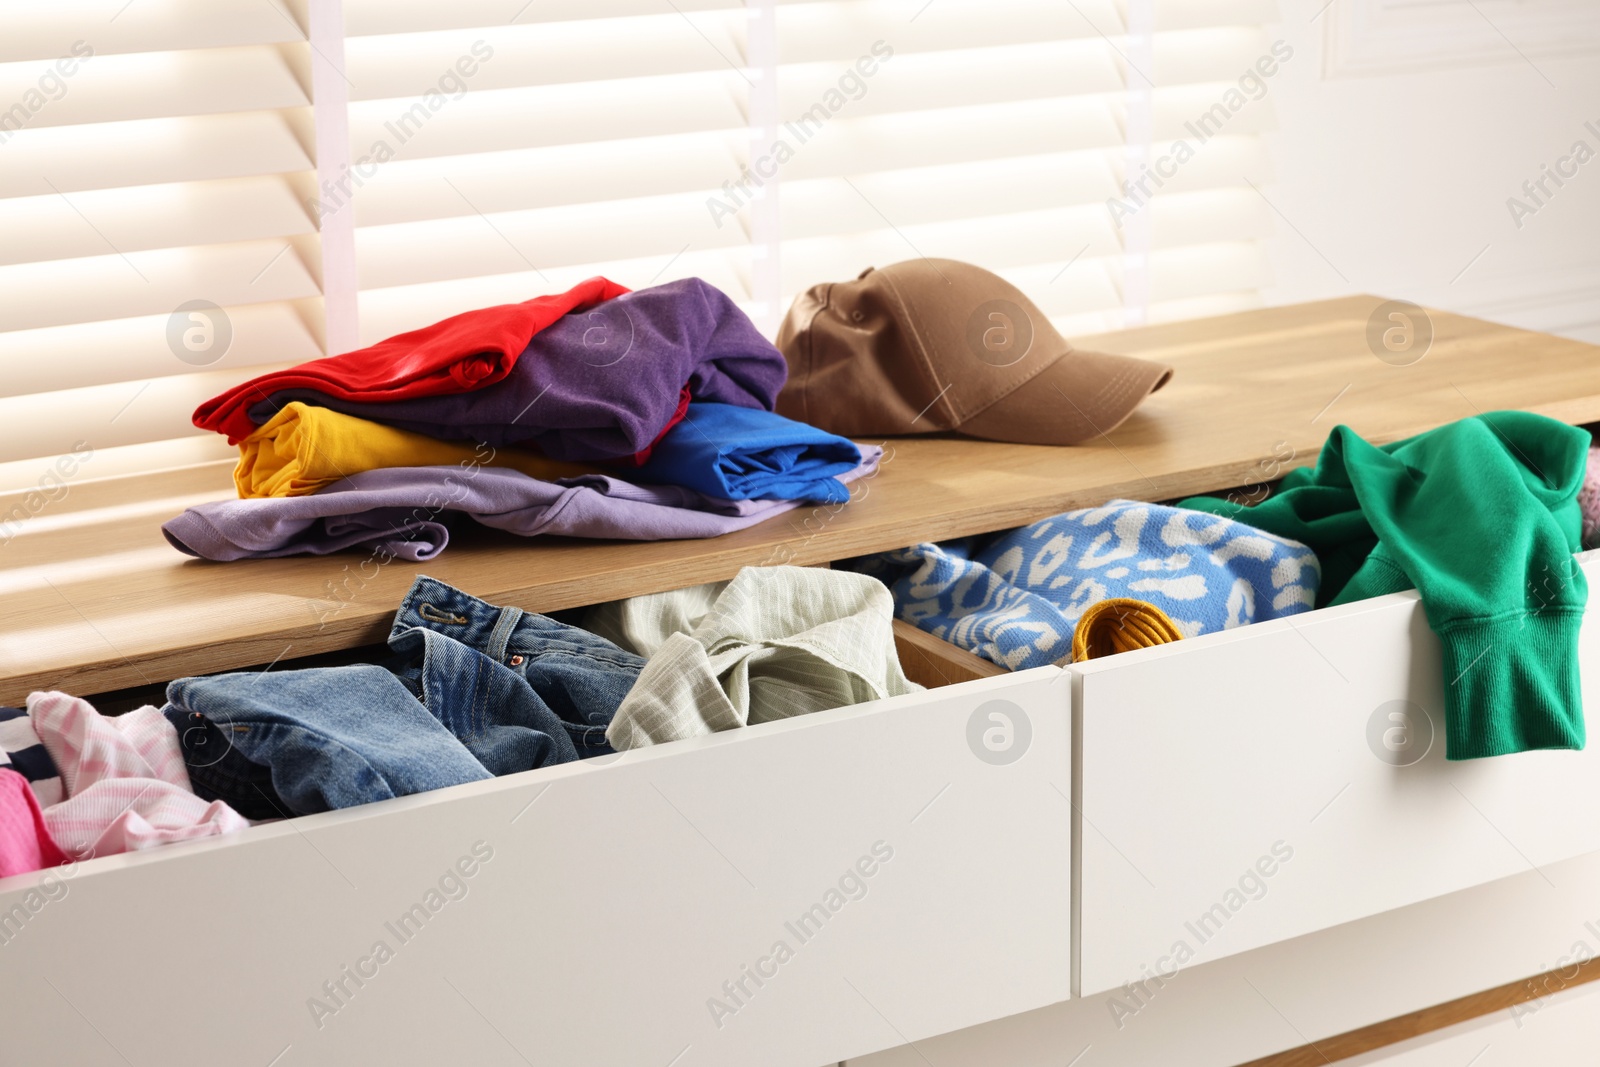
point(1305, 620)
point(531, 781)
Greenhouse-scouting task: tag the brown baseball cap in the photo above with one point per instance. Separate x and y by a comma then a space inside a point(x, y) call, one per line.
point(934, 345)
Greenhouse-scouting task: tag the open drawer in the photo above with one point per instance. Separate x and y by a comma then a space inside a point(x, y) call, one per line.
point(913, 857)
point(1250, 786)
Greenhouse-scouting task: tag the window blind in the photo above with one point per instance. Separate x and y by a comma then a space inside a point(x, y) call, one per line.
point(585, 143)
point(1001, 133)
point(627, 139)
point(489, 150)
point(152, 156)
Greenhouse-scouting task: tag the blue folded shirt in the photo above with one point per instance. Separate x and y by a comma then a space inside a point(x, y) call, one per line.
point(739, 453)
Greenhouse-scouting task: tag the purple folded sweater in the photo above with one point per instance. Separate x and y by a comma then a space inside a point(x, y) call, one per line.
point(597, 384)
point(405, 512)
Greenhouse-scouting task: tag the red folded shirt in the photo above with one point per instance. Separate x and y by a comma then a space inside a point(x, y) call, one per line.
point(459, 354)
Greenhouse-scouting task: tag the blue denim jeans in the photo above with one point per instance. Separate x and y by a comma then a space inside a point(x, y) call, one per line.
point(519, 690)
point(280, 743)
point(471, 691)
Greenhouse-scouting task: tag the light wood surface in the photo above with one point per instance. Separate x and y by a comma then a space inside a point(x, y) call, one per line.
point(934, 662)
point(1427, 1020)
point(96, 600)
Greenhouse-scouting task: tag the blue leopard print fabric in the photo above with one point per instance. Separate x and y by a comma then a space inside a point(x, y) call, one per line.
point(1014, 598)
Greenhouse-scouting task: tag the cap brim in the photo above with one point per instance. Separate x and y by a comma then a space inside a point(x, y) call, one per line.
point(1078, 397)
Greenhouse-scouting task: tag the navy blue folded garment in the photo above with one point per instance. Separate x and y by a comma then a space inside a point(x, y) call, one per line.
point(739, 453)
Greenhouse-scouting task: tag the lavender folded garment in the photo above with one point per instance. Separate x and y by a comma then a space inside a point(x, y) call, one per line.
point(404, 512)
point(597, 384)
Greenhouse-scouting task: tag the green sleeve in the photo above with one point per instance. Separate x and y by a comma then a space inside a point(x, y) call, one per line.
point(1481, 516)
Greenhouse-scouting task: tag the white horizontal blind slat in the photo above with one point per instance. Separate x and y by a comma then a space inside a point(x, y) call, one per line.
point(388, 311)
point(115, 286)
point(106, 416)
point(137, 349)
point(542, 116)
point(155, 152)
point(51, 227)
point(811, 32)
point(38, 31)
point(368, 18)
point(964, 77)
point(546, 54)
point(32, 475)
point(521, 179)
point(465, 247)
point(113, 88)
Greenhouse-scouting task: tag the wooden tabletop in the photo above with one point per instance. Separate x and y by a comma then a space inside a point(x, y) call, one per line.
point(96, 600)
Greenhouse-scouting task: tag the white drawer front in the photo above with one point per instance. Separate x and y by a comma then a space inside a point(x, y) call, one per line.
point(621, 895)
point(1235, 791)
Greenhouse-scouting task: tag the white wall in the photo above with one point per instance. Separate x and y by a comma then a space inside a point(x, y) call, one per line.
point(1404, 126)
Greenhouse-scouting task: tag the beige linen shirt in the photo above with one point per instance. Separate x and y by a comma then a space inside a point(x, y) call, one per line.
point(772, 643)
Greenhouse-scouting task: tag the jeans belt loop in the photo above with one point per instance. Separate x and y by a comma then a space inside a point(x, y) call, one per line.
point(500, 637)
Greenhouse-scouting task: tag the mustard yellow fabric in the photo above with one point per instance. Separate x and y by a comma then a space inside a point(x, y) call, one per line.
point(303, 448)
point(1118, 625)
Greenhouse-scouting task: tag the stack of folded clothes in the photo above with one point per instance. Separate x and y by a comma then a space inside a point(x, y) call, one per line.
point(597, 412)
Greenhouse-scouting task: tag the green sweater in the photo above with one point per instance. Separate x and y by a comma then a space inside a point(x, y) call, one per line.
point(1481, 517)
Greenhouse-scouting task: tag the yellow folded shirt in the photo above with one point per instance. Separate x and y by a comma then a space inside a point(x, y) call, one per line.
point(303, 448)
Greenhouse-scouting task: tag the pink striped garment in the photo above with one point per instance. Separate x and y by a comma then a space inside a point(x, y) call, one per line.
point(126, 785)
